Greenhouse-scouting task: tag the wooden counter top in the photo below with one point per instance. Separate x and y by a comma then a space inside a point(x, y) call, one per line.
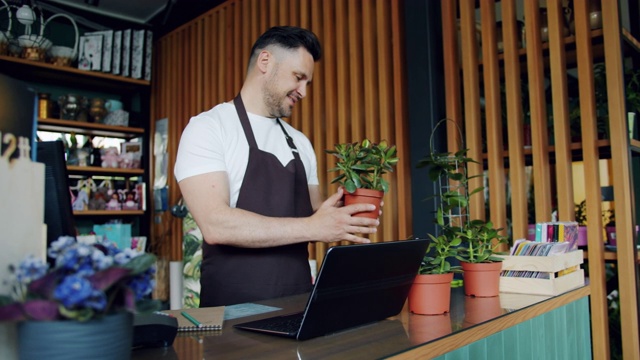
point(405, 336)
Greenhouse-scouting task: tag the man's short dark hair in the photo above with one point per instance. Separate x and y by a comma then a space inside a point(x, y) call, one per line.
point(288, 37)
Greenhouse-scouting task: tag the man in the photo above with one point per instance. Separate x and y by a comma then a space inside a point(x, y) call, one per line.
point(250, 181)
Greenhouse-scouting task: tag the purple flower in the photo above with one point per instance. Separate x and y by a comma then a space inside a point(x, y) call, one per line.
point(73, 291)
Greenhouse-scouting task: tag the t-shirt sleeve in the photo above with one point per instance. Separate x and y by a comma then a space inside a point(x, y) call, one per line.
point(201, 148)
point(308, 156)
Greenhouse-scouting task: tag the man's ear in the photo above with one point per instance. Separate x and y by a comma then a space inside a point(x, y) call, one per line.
point(264, 58)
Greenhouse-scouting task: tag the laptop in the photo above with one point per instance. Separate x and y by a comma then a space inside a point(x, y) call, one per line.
point(356, 285)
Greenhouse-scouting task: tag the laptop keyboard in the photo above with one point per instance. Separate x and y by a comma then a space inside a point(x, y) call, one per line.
point(288, 324)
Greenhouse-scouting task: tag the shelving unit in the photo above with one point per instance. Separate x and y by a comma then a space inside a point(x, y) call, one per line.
point(545, 64)
point(87, 128)
point(131, 91)
point(73, 169)
point(41, 71)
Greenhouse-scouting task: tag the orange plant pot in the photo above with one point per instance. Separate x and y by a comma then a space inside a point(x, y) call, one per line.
point(423, 329)
point(431, 294)
point(480, 309)
point(481, 279)
point(365, 196)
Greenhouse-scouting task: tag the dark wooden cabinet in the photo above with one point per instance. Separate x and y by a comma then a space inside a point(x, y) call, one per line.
point(134, 94)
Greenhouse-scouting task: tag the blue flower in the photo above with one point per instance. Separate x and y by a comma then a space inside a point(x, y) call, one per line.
point(59, 245)
point(73, 291)
point(77, 259)
point(125, 256)
point(111, 247)
point(97, 300)
point(87, 281)
point(30, 269)
point(143, 284)
point(100, 260)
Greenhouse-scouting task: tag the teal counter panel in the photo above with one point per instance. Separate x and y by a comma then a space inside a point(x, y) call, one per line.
point(563, 333)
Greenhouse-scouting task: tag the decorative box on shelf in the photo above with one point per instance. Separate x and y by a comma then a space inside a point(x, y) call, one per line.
point(559, 273)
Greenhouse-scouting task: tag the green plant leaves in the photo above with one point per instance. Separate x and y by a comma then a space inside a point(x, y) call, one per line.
point(470, 241)
point(361, 165)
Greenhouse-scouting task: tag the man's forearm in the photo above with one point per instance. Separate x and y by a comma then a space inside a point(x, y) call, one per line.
point(242, 228)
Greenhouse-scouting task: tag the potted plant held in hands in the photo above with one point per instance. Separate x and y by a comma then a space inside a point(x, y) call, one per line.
point(361, 166)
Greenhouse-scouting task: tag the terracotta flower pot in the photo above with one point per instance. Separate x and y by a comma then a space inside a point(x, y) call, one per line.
point(365, 196)
point(423, 329)
point(481, 279)
point(431, 294)
point(480, 309)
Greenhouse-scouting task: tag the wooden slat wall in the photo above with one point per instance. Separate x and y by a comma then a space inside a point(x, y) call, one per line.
point(471, 93)
point(597, 278)
point(515, 129)
point(623, 190)
point(358, 88)
point(545, 61)
point(493, 116)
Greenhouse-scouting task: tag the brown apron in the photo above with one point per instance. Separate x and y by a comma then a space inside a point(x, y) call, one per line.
point(232, 275)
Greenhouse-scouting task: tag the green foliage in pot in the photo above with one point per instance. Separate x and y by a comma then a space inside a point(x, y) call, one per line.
point(632, 98)
point(450, 172)
point(467, 240)
point(608, 215)
point(440, 250)
point(581, 213)
point(632, 90)
point(362, 164)
point(480, 242)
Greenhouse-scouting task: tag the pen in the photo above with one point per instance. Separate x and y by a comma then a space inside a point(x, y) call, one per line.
point(192, 319)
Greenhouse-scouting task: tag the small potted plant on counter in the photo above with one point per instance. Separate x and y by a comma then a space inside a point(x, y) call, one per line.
point(479, 240)
point(361, 166)
point(475, 240)
point(481, 268)
point(431, 290)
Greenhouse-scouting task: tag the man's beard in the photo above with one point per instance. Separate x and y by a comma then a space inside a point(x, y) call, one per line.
point(274, 101)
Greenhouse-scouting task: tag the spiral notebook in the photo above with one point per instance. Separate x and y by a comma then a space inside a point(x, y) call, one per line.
point(208, 318)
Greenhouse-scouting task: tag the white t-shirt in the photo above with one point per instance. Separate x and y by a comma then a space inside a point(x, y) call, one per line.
point(215, 141)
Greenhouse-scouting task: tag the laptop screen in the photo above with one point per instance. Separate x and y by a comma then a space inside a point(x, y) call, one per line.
point(356, 285)
point(361, 284)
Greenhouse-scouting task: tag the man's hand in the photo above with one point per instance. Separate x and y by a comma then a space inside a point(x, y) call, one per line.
point(335, 222)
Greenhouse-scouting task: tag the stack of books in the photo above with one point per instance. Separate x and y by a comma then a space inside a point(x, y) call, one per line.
point(126, 52)
point(541, 269)
point(532, 248)
point(558, 231)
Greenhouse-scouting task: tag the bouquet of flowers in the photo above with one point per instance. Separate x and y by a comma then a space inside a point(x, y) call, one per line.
point(86, 282)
